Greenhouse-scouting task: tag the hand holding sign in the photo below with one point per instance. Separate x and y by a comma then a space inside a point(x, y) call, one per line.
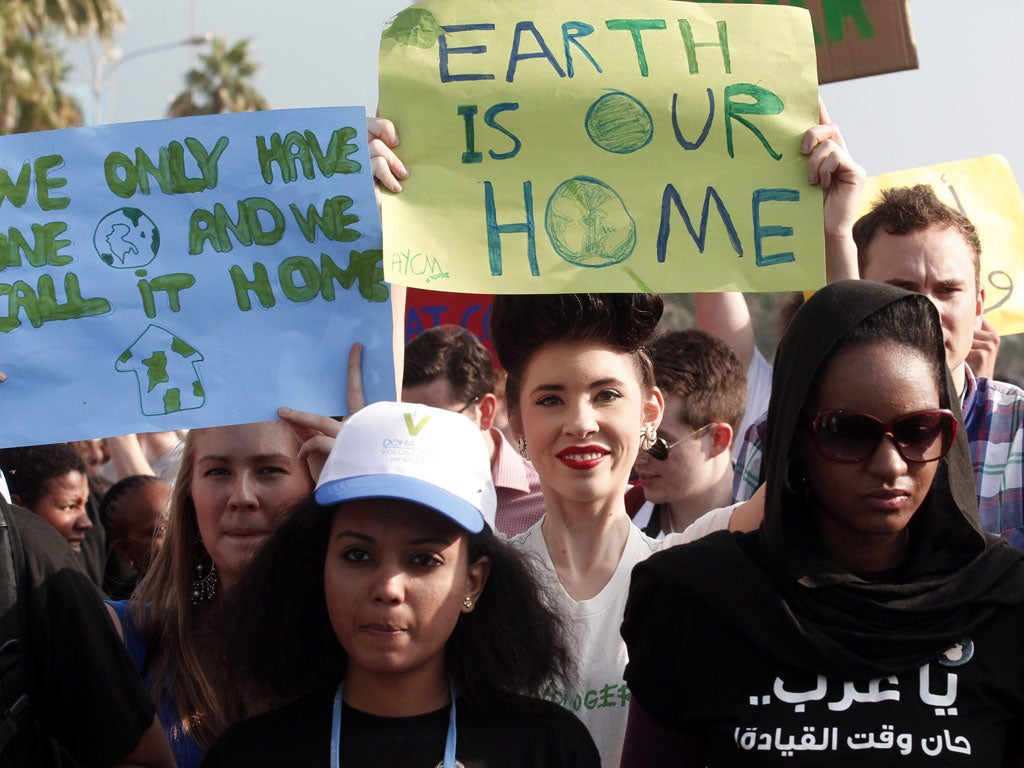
point(387, 168)
point(842, 181)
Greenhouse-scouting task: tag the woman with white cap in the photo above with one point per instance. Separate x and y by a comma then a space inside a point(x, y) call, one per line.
point(408, 631)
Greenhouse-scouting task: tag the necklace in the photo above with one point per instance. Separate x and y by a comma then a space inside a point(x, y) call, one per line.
point(449, 743)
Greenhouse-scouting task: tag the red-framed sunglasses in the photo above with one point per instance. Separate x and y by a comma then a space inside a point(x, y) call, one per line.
point(852, 436)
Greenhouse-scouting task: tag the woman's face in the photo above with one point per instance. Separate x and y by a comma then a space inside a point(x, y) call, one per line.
point(243, 478)
point(864, 508)
point(396, 577)
point(582, 409)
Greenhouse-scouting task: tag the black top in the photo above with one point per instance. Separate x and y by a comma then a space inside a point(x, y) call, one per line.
point(84, 690)
point(94, 556)
point(721, 631)
point(695, 671)
point(522, 732)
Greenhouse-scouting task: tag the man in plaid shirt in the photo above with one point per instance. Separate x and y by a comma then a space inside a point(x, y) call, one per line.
point(912, 240)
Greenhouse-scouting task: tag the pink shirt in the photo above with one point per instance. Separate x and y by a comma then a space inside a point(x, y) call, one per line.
point(520, 501)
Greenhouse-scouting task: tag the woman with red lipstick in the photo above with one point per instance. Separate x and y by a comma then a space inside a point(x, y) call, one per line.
point(407, 629)
point(870, 617)
point(582, 403)
point(233, 486)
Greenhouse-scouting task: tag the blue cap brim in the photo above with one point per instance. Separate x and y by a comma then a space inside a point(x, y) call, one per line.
point(455, 508)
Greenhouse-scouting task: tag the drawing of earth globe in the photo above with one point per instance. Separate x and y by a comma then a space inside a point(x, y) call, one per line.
point(588, 223)
point(126, 239)
point(619, 123)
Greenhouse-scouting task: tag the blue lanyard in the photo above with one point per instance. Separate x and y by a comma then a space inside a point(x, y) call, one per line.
point(449, 742)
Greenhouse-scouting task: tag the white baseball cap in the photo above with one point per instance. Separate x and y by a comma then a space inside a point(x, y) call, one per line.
point(413, 452)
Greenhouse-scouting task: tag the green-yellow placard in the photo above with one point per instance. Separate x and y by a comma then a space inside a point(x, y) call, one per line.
point(601, 146)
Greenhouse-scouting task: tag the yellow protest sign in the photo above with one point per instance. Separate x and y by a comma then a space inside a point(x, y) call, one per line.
point(985, 190)
point(601, 146)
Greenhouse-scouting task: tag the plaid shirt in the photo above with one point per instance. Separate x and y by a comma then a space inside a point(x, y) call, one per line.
point(994, 418)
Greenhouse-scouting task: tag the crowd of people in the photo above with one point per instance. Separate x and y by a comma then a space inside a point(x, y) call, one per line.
point(612, 544)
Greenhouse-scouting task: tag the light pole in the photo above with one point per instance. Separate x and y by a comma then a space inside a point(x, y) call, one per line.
point(115, 57)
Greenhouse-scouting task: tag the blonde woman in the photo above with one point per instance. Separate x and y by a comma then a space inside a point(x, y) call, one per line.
point(233, 487)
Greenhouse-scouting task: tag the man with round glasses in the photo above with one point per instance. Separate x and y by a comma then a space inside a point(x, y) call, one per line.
point(689, 469)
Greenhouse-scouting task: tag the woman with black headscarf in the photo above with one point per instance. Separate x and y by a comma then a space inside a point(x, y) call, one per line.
point(870, 617)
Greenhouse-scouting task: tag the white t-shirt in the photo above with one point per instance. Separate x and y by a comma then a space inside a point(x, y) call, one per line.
point(601, 698)
point(715, 520)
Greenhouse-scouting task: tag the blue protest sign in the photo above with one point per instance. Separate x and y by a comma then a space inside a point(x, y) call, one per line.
point(186, 273)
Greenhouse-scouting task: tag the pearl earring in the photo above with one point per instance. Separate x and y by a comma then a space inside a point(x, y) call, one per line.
point(521, 447)
point(648, 436)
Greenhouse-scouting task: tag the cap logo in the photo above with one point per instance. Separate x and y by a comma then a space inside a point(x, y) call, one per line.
point(415, 429)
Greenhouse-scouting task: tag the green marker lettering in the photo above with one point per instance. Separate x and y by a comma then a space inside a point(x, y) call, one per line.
point(44, 252)
point(764, 103)
point(635, 27)
point(259, 286)
point(299, 278)
point(16, 191)
point(332, 221)
point(45, 184)
point(248, 228)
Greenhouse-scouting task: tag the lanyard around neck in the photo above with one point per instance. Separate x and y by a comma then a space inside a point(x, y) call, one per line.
point(449, 742)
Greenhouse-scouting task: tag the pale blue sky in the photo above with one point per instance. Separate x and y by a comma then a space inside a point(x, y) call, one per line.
point(964, 101)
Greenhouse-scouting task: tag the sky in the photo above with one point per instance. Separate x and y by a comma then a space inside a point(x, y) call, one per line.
point(964, 101)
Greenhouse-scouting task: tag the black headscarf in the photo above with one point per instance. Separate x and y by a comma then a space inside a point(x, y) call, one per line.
point(780, 589)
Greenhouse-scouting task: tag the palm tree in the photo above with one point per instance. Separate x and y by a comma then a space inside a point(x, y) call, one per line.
point(32, 67)
point(222, 83)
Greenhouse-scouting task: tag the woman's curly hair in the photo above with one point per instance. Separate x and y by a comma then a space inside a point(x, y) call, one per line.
point(282, 644)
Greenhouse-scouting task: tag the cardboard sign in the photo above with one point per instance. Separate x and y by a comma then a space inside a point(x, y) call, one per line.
point(986, 192)
point(856, 38)
point(592, 146)
point(426, 309)
point(187, 273)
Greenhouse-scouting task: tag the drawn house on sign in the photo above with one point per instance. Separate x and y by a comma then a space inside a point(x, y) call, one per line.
point(166, 370)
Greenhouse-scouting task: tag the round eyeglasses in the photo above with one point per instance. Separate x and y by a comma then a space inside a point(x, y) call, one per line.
point(468, 405)
point(852, 436)
point(660, 449)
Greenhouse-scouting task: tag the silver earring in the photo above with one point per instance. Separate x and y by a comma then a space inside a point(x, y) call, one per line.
point(521, 447)
point(204, 585)
point(468, 603)
point(648, 436)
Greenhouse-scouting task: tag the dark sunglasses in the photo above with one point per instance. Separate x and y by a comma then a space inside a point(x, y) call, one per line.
point(852, 436)
point(660, 449)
